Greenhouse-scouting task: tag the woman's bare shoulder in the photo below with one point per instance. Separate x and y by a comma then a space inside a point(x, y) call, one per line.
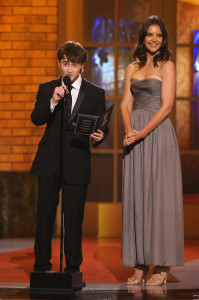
point(132, 68)
point(167, 65)
point(167, 70)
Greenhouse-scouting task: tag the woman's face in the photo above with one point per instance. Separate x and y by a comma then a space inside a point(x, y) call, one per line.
point(153, 39)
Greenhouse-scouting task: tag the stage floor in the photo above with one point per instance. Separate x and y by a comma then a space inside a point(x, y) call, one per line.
point(102, 271)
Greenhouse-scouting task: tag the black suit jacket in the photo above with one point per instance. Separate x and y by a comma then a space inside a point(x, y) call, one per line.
point(75, 147)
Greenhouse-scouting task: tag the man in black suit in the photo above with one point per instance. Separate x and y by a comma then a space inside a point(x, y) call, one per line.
point(70, 170)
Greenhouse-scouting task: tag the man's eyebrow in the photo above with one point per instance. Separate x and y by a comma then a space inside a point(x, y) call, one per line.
point(69, 61)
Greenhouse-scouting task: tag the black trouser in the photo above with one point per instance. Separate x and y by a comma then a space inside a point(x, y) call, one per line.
point(73, 197)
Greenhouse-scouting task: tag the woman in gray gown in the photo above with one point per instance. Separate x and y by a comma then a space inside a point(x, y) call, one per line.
point(152, 226)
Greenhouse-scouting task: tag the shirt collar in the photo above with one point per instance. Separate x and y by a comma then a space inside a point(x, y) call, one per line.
point(76, 85)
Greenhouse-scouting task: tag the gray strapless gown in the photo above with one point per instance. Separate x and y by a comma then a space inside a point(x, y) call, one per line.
point(152, 224)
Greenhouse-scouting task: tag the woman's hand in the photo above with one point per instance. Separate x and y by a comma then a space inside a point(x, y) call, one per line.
point(132, 136)
point(97, 136)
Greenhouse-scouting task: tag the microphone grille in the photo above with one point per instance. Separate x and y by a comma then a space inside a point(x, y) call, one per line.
point(67, 80)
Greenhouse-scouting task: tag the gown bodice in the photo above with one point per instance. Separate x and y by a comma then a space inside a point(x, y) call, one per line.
point(146, 93)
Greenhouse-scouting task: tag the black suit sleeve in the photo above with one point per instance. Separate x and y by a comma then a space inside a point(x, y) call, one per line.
point(41, 113)
point(100, 109)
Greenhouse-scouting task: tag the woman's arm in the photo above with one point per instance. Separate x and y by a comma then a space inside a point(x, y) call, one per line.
point(127, 100)
point(167, 97)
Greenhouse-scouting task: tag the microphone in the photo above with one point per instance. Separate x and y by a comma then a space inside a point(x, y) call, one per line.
point(67, 80)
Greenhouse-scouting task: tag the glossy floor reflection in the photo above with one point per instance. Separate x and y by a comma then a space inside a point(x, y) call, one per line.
point(102, 271)
point(103, 291)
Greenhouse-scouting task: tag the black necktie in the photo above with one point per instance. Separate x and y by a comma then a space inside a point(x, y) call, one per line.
point(68, 104)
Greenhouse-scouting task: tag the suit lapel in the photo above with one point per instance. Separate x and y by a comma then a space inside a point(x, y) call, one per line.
point(80, 98)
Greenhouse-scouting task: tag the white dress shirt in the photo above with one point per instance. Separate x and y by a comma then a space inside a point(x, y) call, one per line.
point(75, 91)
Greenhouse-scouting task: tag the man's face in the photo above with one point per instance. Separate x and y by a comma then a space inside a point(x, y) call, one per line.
point(70, 69)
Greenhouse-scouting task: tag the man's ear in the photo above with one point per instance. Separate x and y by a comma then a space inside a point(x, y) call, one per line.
point(82, 68)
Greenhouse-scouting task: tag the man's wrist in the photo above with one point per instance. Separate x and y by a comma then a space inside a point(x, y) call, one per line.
point(53, 102)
